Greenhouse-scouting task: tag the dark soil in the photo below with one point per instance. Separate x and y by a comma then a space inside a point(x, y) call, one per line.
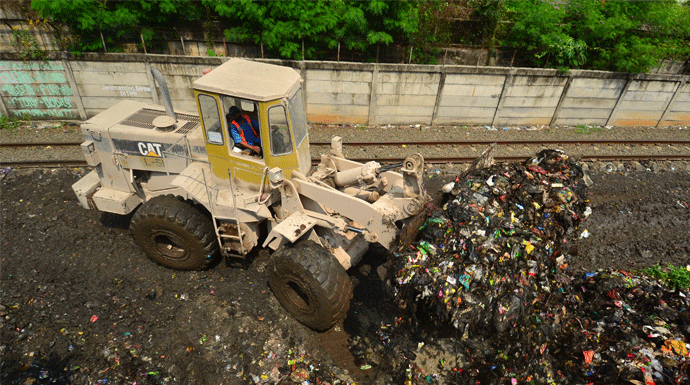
point(80, 303)
point(639, 219)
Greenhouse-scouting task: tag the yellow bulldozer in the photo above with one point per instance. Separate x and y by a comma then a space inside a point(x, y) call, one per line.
point(197, 195)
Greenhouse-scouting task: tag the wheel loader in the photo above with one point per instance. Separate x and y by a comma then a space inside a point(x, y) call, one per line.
point(196, 195)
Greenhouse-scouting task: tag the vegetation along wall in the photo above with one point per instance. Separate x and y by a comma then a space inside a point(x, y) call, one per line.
point(70, 88)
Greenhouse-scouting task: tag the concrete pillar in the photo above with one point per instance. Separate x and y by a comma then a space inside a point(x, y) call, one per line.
point(620, 99)
point(372, 119)
point(441, 83)
point(73, 84)
point(564, 93)
point(3, 109)
point(501, 100)
point(677, 92)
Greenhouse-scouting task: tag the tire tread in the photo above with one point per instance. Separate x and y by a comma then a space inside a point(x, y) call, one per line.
point(172, 209)
point(323, 268)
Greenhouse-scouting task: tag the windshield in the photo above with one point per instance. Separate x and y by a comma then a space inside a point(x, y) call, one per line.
point(298, 117)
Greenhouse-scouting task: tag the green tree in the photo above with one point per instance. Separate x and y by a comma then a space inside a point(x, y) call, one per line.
point(490, 13)
point(298, 25)
point(538, 28)
point(607, 35)
point(281, 26)
point(390, 21)
point(294, 29)
point(83, 17)
point(246, 17)
point(630, 36)
point(88, 20)
point(350, 28)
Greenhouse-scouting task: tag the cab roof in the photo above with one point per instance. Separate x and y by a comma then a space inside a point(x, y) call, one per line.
point(250, 80)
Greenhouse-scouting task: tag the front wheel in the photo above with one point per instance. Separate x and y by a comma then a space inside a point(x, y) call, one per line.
point(311, 284)
point(174, 234)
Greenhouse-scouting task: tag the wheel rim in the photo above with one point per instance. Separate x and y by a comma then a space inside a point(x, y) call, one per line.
point(169, 245)
point(297, 296)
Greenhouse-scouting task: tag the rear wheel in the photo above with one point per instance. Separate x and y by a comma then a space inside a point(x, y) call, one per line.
point(174, 234)
point(311, 284)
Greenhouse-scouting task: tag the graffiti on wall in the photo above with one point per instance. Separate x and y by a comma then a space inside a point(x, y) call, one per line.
point(130, 91)
point(37, 90)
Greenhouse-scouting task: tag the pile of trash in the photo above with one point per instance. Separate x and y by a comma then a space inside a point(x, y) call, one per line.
point(498, 245)
point(622, 328)
point(491, 265)
point(604, 328)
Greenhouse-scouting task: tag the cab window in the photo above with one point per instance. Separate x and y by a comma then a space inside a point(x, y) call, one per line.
point(244, 130)
point(298, 117)
point(245, 106)
point(211, 119)
point(281, 140)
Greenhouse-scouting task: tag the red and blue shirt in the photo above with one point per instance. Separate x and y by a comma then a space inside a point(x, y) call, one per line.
point(245, 130)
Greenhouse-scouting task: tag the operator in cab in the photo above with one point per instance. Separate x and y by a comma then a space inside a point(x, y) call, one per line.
point(244, 130)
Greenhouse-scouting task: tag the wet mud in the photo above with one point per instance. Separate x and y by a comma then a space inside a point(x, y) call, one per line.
point(79, 303)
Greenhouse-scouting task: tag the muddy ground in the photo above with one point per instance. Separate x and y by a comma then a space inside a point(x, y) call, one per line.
point(79, 303)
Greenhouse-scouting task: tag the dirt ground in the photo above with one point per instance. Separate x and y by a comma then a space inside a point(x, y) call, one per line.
point(79, 303)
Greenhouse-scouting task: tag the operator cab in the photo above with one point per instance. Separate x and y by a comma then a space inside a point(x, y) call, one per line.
point(269, 102)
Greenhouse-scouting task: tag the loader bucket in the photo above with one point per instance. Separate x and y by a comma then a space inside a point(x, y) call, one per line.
point(409, 232)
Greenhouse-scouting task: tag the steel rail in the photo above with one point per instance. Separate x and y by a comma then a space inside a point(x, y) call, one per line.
point(513, 158)
point(387, 160)
point(429, 143)
point(39, 144)
point(507, 142)
point(43, 163)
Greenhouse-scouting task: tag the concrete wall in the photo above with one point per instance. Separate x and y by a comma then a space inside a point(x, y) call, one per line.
point(39, 90)
point(404, 96)
point(334, 94)
point(67, 87)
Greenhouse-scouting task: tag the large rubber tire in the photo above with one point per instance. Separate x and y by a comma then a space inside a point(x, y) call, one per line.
point(311, 284)
point(174, 234)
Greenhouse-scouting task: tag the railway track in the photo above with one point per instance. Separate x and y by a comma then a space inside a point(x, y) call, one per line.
point(583, 149)
point(433, 143)
point(511, 142)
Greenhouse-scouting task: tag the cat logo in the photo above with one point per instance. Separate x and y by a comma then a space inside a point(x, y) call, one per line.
point(150, 149)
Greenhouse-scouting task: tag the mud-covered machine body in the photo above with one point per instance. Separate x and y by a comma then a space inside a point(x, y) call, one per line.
point(196, 195)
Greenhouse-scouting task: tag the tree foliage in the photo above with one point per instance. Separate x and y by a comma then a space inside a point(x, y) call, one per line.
point(615, 35)
point(286, 27)
point(88, 19)
point(629, 36)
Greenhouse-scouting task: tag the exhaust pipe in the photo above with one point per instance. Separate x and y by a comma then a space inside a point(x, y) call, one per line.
point(167, 102)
